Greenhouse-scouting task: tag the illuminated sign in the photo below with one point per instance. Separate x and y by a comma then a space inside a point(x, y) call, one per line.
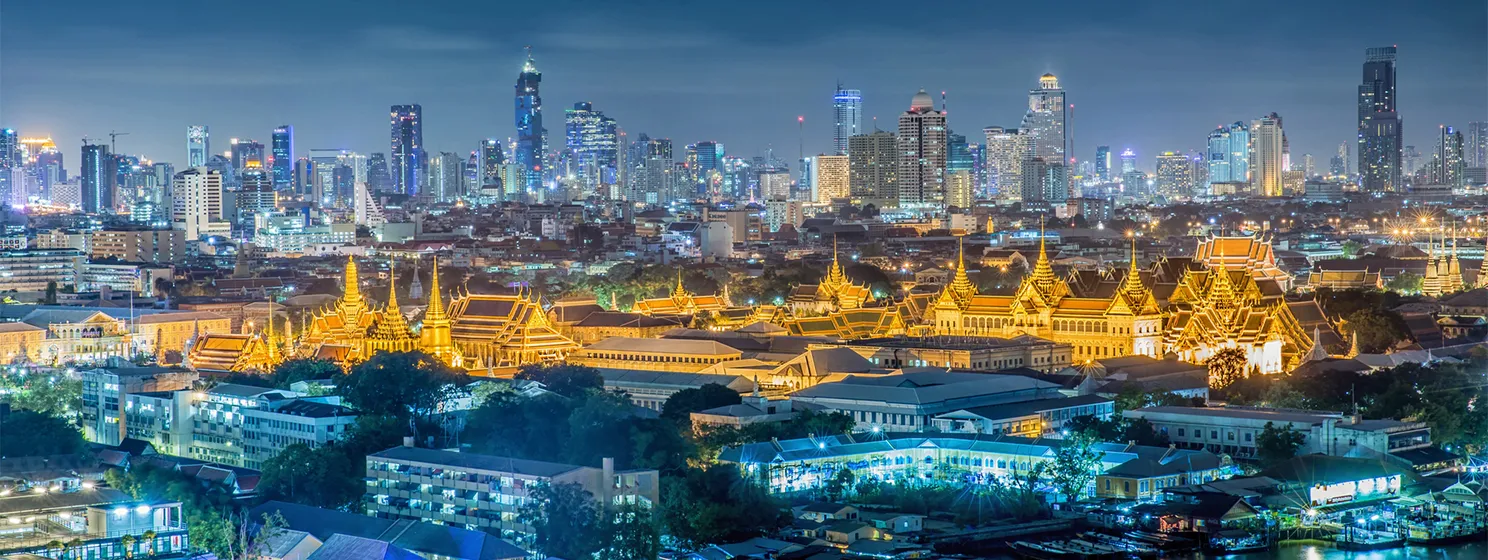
point(1344, 492)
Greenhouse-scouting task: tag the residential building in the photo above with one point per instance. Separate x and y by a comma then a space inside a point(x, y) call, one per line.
point(1045, 123)
point(832, 178)
point(1006, 151)
point(196, 204)
point(31, 270)
point(163, 246)
point(1234, 430)
point(1174, 177)
point(487, 492)
point(97, 179)
point(847, 112)
point(1380, 125)
point(922, 154)
point(1450, 160)
point(1269, 156)
point(873, 167)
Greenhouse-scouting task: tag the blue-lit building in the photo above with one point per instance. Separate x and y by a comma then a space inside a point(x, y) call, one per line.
point(281, 153)
point(406, 163)
point(593, 141)
point(1103, 163)
point(958, 154)
point(847, 109)
point(531, 136)
point(709, 159)
point(1229, 154)
point(198, 150)
point(97, 178)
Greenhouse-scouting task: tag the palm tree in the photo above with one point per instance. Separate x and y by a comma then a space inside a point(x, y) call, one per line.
point(149, 538)
point(128, 542)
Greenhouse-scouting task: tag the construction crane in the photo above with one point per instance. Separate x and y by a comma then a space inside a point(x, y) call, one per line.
point(113, 141)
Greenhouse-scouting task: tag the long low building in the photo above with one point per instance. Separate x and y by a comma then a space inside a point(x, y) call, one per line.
point(1042, 417)
point(805, 464)
point(911, 399)
point(1234, 430)
point(651, 389)
point(986, 353)
point(663, 354)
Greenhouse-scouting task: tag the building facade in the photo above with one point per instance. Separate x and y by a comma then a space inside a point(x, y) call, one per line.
point(922, 154)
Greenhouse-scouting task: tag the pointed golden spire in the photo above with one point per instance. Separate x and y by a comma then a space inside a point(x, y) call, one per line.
point(961, 287)
point(435, 311)
point(1043, 272)
point(835, 276)
point(392, 302)
point(353, 291)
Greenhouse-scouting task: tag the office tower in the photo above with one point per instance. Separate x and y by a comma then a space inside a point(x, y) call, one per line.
point(832, 178)
point(379, 180)
point(97, 179)
point(1268, 142)
point(305, 180)
point(1128, 161)
point(1198, 171)
point(873, 167)
point(358, 164)
point(847, 110)
point(775, 184)
point(281, 157)
point(1006, 150)
point(1379, 123)
point(12, 163)
point(49, 167)
point(707, 164)
point(196, 203)
point(979, 169)
point(1309, 165)
point(198, 149)
point(1450, 161)
point(10, 148)
point(959, 191)
point(922, 154)
point(445, 171)
point(1045, 121)
point(256, 197)
point(532, 145)
point(654, 169)
point(1044, 181)
point(1174, 177)
point(1229, 154)
point(1475, 144)
point(406, 160)
point(593, 140)
point(490, 165)
point(1102, 163)
point(244, 151)
point(1343, 157)
point(958, 153)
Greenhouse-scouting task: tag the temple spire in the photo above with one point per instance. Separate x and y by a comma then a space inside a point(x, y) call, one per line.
point(435, 311)
point(392, 302)
point(835, 276)
point(353, 292)
point(1043, 272)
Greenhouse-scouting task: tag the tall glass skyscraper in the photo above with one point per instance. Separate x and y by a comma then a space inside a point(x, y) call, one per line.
point(197, 148)
point(1379, 123)
point(847, 109)
point(97, 178)
point(1229, 154)
point(593, 140)
point(1103, 163)
point(406, 163)
point(1045, 122)
point(281, 157)
point(532, 145)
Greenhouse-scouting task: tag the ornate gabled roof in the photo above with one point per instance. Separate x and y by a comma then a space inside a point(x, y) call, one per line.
point(392, 327)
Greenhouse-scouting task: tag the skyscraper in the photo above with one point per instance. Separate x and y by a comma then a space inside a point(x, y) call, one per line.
point(196, 203)
point(1475, 144)
point(97, 180)
point(281, 157)
point(873, 167)
point(593, 140)
point(1045, 122)
point(654, 171)
point(10, 148)
point(255, 197)
point(379, 180)
point(1379, 123)
point(1269, 159)
point(922, 154)
point(406, 164)
point(1006, 150)
point(532, 145)
point(1128, 161)
point(244, 151)
point(1102, 163)
point(198, 150)
point(445, 177)
point(708, 168)
point(1450, 163)
point(847, 109)
point(1229, 154)
point(1174, 177)
point(832, 177)
point(958, 153)
point(490, 162)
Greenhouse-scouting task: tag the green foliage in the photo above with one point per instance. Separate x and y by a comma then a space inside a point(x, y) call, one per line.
point(567, 380)
point(1014, 498)
point(581, 430)
point(400, 384)
point(1377, 330)
point(1408, 283)
point(1351, 249)
point(776, 283)
point(805, 423)
point(634, 532)
point(682, 404)
point(1226, 367)
point(206, 507)
point(711, 505)
point(53, 394)
point(838, 484)
point(1075, 465)
point(565, 521)
point(303, 369)
point(330, 476)
point(27, 433)
point(1275, 445)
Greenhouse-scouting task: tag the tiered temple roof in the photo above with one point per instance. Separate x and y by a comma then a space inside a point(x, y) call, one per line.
point(500, 331)
point(835, 292)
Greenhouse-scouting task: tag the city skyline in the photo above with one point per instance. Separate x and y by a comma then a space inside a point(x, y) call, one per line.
point(656, 86)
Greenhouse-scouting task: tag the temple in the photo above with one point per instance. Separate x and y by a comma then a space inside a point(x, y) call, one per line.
point(683, 302)
point(505, 331)
point(1443, 271)
point(834, 293)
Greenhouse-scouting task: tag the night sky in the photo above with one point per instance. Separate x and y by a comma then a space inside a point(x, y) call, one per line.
point(1152, 76)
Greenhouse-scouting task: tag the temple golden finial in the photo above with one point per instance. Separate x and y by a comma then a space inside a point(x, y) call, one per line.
point(435, 310)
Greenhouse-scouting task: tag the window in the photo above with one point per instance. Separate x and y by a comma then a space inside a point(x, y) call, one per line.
point(1248, 437)
point(1213, 434)
point(1180, 432)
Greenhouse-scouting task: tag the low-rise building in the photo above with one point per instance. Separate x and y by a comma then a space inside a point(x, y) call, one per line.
point(104, 388)
point(1234, 430)
point(668, 354)
point(975, 353)
point(651, 389)
point(31, 270)
point(427, 540)
point(90, 522)
point(912, 399)
point(486, 492)
point(1043, 417)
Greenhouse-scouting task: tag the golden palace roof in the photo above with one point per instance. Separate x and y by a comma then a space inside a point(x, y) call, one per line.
point(505, 330)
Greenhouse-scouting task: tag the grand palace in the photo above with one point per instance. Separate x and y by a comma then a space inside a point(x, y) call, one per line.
point(1230, 294)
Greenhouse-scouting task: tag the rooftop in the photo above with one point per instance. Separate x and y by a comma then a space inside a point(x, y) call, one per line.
point(475, 461)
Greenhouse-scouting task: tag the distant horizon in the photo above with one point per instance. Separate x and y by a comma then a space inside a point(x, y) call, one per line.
point(1145, 77)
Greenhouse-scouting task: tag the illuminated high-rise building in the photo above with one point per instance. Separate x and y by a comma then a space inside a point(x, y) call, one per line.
point(873, 167)
point(198, 147)
point(1174, 176)
point(1128, 161)
point(1475, 144)
point(244, 151)
point(406, 160)
point(256, 196)
point(445, 177)
point(282, 158)
point(831, 178)
point(1045, 122)
point(490, 165)
point(1006, 150)
point(847, 110)
point(958, 153)
point(593, 139)
point(654, 169)
point(708, 168)
point(922, 154)
point(1229, 154)
point(196, 203)
point(10, 148)
point(97, 179)
point(1268, 160)
point(1449, 160)
point(1379, 123)
point(379, 180)
point(532, 146)
point(1102, 163)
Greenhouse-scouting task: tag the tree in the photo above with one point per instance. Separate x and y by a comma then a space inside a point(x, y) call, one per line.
point(1275, 445)
point(565, 521)
point(1408, 283)
point(1377, 330)
point(633, 533)
point(303, 369)
point(567, 380)
point(709, 505)
point(127, 541)
point(838, 484)
point(233, 536)
point(1226, 367)
point(1074, 465)
point(26, 433)
point(330, 476)
point(400, 384)
point(682, 404)
point(53, 395)
point(1351, 249)
point(51, 293)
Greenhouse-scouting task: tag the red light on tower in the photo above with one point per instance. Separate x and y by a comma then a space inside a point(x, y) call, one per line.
point(801, 119)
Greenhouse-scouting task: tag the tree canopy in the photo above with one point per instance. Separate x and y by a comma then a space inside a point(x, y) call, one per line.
point(400, 384)
point(27, 433)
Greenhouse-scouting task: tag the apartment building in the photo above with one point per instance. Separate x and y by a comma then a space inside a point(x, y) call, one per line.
point(1234, 430)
